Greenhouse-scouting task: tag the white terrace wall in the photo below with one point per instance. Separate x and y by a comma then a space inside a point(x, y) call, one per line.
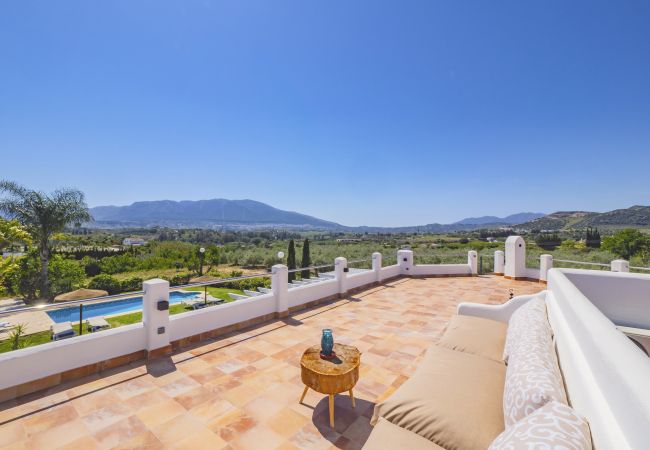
point(203, 320)
point(624, 298)
point(606, 377)
point(158, 330)
point(33, 363)
point(304, 294)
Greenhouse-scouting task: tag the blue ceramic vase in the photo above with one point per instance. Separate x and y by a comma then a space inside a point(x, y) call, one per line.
point(327, 342)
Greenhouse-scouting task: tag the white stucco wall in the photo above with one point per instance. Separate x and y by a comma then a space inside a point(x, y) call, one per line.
point(624, 298)
point(389, 272)
point(605, 374)
point(202, 320)
point(360, 279)
point(21, 366)
point(310, 292)
point(441, 269)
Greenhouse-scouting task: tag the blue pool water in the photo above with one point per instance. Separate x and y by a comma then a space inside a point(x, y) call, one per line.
point(126, 305)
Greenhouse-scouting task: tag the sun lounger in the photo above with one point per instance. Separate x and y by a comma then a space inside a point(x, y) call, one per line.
point(62, 330)
point(237, 296)
point(96, 324)
point(264, 290)
point(195, 303)
point(251, 293)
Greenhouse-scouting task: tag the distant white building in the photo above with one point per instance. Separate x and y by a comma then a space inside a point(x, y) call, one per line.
point(134, 242)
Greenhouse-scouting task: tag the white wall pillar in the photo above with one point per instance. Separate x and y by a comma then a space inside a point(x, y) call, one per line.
point(156, 321)
point(515, 257)
point(545, 264)
point(620, 265)
point(280, 288)
point(340, 270)
point(472, 261)
point(376, 266)
point(405, 261)
point(499, 262)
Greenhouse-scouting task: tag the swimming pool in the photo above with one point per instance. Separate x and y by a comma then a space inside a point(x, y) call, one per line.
point(126, 305)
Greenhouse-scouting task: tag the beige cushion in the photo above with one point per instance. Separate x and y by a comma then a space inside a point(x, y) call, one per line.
point(454, 399)
point(533, 379)
point(553, 426)
point(386, 436)
point(527, 322)
point(476, 335)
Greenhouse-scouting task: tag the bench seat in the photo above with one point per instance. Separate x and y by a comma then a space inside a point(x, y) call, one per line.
point(454, 399)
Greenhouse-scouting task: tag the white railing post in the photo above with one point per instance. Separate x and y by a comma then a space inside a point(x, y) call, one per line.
point(472, 261)
point(499, 262)
point(515, 258)
point(405, 261)
point(376, 266)
point(620, 265)
point(341, 272)
point(280, 288)
point(545, 264)
point(155, 317)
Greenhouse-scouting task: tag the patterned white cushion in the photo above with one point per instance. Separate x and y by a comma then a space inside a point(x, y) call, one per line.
point(527, 323)
point(533, 377)
point(553, 426)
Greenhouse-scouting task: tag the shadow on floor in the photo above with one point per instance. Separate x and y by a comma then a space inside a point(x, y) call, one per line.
point(351, 425)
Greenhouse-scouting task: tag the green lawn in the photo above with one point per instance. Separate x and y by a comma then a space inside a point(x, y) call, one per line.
point(28, 341)
point(218, 292)
point(44, 337)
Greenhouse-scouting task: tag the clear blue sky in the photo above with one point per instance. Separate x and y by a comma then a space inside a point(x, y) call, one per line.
point(361, 112)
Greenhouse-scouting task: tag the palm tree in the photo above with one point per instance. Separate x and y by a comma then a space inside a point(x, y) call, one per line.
point(43, 215)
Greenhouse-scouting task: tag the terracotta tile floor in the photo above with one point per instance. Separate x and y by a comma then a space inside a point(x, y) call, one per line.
point(242, 391)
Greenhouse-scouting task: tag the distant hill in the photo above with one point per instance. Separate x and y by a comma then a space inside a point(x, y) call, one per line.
point(636, 216)
point(249, 214)
point(513, 219)
point(203, 214)
point(557, 221)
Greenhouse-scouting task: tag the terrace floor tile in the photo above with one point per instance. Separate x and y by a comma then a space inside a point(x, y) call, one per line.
point(241, 391)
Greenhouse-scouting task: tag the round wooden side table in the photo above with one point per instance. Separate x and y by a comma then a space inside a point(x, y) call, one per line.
point(330, 377)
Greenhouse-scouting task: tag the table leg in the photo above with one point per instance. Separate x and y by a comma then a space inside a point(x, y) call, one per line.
point(331, 411)
point(303, 394)
point(354, 405)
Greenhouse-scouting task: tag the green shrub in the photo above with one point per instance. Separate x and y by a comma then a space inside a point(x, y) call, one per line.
point(65, 275)
point(131, 284)
point(118, 264)
point(180, 279)
point(106, 283)
point(23, 277)
point(91, 266)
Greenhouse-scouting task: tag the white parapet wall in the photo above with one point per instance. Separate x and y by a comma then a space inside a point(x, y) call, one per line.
point(605, 374)
point(28, 364)
point(421, 270)
point(312, 292)
point(158, 329)
point(208, 319)
point(389, 272)
point(624, 298)
point(360, 279)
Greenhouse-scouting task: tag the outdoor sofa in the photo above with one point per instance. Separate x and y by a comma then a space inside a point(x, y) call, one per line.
point(583, 384)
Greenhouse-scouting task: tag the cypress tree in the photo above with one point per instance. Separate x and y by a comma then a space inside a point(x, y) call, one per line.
point(306, 259)
point(291, 260)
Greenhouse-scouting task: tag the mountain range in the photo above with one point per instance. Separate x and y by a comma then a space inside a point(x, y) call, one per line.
point(636, 217)
point(204, 214)
point(250, 214)
point(234, 214)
